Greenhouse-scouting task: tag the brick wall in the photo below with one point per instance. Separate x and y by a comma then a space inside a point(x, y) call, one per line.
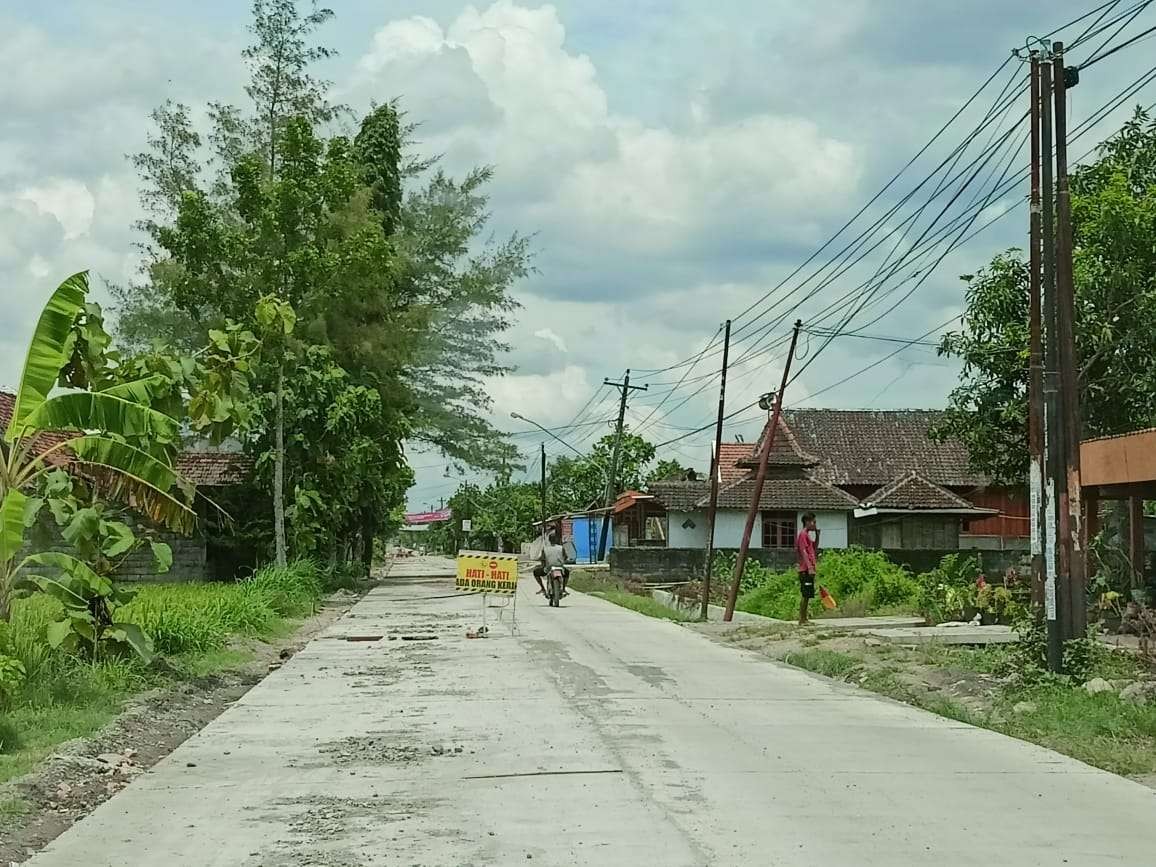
point(686, 564)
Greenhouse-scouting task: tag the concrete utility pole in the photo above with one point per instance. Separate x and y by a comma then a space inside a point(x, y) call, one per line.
point(715, 470)
point(1036, 371)
point(1052, 438)
point(760, 479)
point(612, 479)
point(1071, 512)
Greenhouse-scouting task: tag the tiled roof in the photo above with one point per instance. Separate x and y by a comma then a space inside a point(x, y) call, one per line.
point(785, 494)
point(785, 450)
point(729, 456)
point(912, 492)
point(876, 447)
point(214, 469)
point(680, 496)
point(43, 441)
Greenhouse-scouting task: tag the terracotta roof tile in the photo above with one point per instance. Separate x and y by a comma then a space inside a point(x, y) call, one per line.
point(785, 451)
point(802, 493)
point(876, 447)
point(679, 496)
point(214, 469)
point(912, 492)
point(43, 441)
point(729, 456)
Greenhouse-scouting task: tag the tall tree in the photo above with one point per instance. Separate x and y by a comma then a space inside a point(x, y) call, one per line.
point(1114, 230)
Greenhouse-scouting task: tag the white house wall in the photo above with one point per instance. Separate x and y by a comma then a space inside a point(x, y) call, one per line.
point(832, 528)
point(729, 529)
point(686, 537)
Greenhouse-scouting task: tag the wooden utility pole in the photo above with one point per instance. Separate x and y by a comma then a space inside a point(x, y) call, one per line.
point(1053, 463)
point(715, 470)
point(1071, 511)
point(760, 479)
point(1036, 371)
point(612, 478)
point(545, 535)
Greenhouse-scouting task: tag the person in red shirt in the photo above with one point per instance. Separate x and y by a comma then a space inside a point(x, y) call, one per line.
point(807, 550)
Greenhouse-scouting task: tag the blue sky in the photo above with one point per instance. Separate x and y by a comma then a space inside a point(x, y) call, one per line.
point(674, 161)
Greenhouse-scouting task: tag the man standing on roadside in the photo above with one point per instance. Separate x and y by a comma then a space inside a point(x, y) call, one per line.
point(808, 556)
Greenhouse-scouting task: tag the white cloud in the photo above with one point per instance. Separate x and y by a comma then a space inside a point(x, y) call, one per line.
point(549, 399)
point(551, 336)
point(68, 200)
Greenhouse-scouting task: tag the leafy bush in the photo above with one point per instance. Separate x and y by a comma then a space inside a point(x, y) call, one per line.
point(956, 589)
point(865, 580)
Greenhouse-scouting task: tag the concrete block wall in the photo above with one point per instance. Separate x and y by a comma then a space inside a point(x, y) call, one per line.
point(189, 558)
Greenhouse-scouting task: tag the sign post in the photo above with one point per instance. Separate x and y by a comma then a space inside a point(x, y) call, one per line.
point(485, 573)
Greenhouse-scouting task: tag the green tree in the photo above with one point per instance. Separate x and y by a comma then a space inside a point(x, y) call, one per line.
point(402, 290)
point(1114, 231)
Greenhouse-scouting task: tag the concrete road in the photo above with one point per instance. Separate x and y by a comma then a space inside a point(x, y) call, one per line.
point(590, 736)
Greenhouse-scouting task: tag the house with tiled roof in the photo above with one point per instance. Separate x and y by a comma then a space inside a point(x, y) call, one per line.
point(872, 478)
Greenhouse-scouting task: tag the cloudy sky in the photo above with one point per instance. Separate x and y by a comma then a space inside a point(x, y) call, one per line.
point(675, 161)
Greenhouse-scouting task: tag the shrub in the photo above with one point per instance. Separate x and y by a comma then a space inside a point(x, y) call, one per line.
point(863, 580)
point(9, 736)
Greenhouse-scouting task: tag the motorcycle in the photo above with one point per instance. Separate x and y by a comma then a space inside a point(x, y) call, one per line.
point(554, 583)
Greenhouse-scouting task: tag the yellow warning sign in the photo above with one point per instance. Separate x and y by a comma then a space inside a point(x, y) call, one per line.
point(479, 572)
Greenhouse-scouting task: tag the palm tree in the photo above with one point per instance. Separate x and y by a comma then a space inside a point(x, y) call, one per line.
point(90, 432)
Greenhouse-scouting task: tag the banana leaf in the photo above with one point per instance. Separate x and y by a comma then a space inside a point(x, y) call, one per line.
point(140, 391)
point(101, 411)
point(11, 524)
point(129, 475)
point(46, 356)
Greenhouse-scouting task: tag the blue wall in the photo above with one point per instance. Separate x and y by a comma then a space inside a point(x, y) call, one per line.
point(587, 529)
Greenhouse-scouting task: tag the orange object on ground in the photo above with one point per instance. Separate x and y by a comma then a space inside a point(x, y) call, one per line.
point(827, 599)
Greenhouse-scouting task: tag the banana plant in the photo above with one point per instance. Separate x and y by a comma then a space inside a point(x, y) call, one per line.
point(89, 432)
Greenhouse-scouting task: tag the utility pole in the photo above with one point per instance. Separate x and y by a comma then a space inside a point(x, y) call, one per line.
point(611, 480)
point(544, 535)
point(715, 470)
point(1071, 511)
point(1053, 598)
point(1036, 370)
point(760, 479)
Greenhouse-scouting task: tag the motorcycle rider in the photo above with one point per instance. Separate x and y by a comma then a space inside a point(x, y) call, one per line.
point(553, 554)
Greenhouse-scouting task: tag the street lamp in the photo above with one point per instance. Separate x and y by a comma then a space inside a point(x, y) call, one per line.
point(548, 432)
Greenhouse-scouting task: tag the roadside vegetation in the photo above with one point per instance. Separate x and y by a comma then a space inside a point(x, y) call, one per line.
point(1103, 712)
point(632, 596)
point(196, 629)
point(867, 583)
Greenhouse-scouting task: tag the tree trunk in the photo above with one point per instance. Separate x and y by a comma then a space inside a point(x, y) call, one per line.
point(279, 471)
point(368, 532)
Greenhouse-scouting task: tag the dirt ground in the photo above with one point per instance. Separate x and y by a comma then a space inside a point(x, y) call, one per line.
point(84, 773)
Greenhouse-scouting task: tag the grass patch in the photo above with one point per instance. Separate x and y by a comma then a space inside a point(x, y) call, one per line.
point(65, 697)
point(831, 663)
point(642, 604)
point(592, 582)
point(1101, 730)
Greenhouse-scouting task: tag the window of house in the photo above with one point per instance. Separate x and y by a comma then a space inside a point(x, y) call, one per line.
point(778, 529)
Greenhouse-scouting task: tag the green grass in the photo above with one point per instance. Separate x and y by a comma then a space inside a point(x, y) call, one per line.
point(65, 697)
point(1101, 730)
point(642, 604)
point(830, 663)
